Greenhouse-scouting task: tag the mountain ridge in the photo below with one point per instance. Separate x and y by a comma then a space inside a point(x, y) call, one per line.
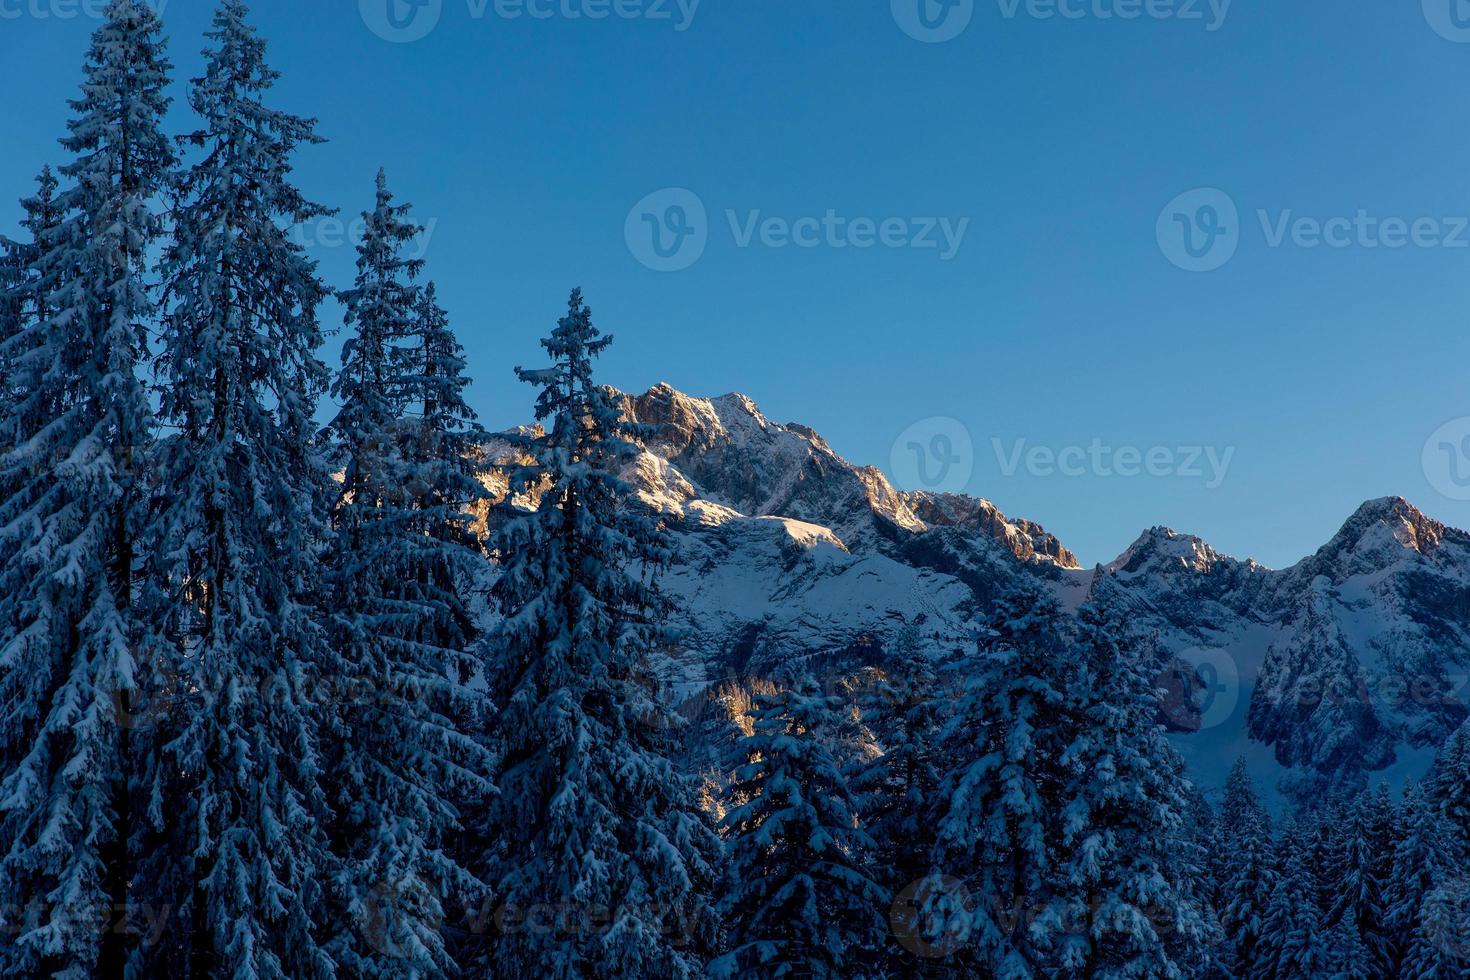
point(787, 552)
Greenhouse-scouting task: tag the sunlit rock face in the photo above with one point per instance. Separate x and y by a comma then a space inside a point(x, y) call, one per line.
point(1350, 662)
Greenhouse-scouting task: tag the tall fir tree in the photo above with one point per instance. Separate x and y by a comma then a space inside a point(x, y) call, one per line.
point(1246, 870)
point(1448, 787)
point(24, 306)
point(1347, 958)
point(23, 294)
point(238, 845)
point(995, 812)
point(1423, 862)
point(1439, 946)
point(75, 423)
point(1128, 869)
point(903, 708)
point(443, 446)
point(401, 760)
point(1292, 940)
point(800, 901)
point(1355, 875)
point(591, 816)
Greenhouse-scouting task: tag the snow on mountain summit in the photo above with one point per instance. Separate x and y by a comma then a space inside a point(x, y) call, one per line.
point(734, 456)
point(787, 551)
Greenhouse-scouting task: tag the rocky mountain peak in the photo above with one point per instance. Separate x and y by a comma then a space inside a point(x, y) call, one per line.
point(730, 453)
point(1381, 532)
point(1163, 550)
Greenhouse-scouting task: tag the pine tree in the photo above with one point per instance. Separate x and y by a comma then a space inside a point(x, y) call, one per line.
point(1247, 871)
point(75, 423)
point(800, 903)
point(23, 295)
point(24, 306)
point(1423, 861)
point(994, 814)
point(903, 708)
point(1127, 867)
point(1448, 787)
point(1292, 943)
point(1439, 948)
point(1355, 875)
point(236, 800)
point(592, 819)
point(1347, 957)
point(441, 448)
point(402, 760)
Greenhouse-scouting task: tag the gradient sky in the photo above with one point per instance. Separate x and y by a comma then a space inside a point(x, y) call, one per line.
point(1061, 320)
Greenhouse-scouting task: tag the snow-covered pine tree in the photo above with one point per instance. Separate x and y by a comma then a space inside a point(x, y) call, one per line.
point(1355, 874)
point(1246, 869)
point(1448, 787)
point(1439, 948)
point(1196, 843)
point(591, 819)
point(1347, 957)
point(1423, 862)
point(1292, 941)
point(238, 851)
point(903, 708)
point(1127, 868)
point(996, 812)
point(76, 419)
point(23, 299)
point(800, 901)
point(442, 444)
point(24, 305)
point(401, 759)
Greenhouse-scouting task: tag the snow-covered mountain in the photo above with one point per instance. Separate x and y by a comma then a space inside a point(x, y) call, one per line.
point(1350, 662)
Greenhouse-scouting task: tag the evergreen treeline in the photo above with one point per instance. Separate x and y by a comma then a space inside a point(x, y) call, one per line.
point(254, 722)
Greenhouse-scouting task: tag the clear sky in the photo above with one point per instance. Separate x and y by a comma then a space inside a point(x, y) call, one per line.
point(1061, 310)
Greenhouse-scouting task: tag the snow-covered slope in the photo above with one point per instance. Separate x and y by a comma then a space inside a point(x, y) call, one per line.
point(1351, 661)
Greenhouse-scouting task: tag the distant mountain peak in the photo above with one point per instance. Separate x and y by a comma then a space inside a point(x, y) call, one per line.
point(1162, 549)
point(735, 456)
point(1384, 524)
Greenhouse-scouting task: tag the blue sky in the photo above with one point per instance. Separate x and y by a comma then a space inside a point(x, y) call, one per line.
point(1062, 327)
